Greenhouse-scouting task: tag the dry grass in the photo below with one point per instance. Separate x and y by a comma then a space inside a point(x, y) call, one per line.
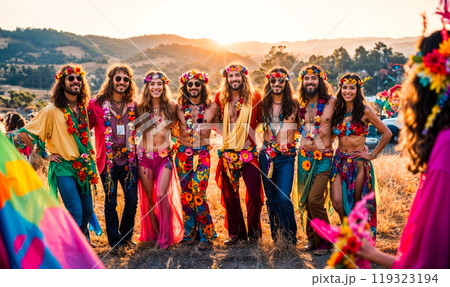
point(396, 185)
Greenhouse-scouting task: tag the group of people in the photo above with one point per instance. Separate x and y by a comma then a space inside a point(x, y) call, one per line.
point(134, 147)
point(159, 151)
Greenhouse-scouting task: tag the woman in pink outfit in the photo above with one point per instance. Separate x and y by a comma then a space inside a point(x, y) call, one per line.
point(426, 138)
point(158, 187)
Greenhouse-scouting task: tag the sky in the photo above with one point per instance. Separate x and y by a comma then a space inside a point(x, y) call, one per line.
point(225, 21)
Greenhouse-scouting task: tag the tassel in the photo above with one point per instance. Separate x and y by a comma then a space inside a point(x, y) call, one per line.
point(195, 159)
point(270, 172)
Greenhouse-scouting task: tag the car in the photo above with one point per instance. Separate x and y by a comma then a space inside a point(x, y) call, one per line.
point(394, 126)
point(372, 138)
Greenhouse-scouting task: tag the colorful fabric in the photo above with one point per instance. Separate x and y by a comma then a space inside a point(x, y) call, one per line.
point(346, 167)
point(272, 149)
point(351, 129)
point(34, 229)
point(50, 126)
point(14, 138)
point(309, 165)
point(194, 182)
point(425, 240)
point(167, 208)
point(233, 162)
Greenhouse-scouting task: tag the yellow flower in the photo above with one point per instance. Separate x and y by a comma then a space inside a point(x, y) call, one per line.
point(233, 156)
point(306, 165)
point(317, 155)
point(164, 153)
point(303, 153)
point(444, 48)
point(318, 119)
point(310, 71)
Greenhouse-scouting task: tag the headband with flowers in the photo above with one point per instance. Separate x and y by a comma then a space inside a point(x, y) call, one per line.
point(194, 75)
point(433, 70)
point(278, 75)
point(360, 83)
point(156, 76)
point(232, 68)
point(311, 71)
point(70, 70)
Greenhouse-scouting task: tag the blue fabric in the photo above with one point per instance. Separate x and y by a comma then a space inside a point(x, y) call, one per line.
point(278, 192)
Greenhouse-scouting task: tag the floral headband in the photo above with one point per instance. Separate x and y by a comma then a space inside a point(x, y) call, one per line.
point(278, 75)
point(156, 76)
point(311, 71)
point(194, 75)
point(360, 83)
point(433, 71)
point(232, 68)
point(68, 71)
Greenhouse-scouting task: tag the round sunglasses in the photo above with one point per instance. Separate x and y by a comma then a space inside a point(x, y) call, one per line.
point(274, 81)
point(191, 84)
point(119, 78)
point(72, 78)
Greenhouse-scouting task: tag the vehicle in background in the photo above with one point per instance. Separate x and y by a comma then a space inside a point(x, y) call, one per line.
point(394, 126)
point(372, 138)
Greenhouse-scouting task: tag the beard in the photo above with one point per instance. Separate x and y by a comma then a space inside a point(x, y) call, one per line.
point(310, 93)
point(278, 93)
point(74, 93)
point(119, 92)
point(194, 96)
point(237, 88)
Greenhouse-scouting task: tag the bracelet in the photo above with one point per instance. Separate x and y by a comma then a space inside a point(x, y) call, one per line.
point(372, 154)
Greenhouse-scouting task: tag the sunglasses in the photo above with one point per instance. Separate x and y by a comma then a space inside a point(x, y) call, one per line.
point(274, 81)
point(119, 78)
point(190, 84)
point(72, 78)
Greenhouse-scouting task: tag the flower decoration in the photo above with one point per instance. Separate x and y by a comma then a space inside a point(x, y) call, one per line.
point(310, 71)
point(347, 239)
point(278, 75)
point(156, 76)
point(306, 165)
point(302, 114)
point(360, 83)
point(232, 68)
point(193, 132)
point(203, 77)
point(68, 71)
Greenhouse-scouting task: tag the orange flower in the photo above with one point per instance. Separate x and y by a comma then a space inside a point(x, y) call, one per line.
point(306, 165)
point(188, 197)
point(317, 155)
point(198, 200)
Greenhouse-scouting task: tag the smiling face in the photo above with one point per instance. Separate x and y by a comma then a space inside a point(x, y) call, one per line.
point(311, 84)
point(73, 84)
point(194, 88)
point(234, 79)
point(156, 87)
point(277, 85)
point(348, 92)
point(121, 82)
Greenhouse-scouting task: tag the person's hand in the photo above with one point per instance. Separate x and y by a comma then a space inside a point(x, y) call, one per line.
point(54, 157)
point(366, 250)
point(363, 154)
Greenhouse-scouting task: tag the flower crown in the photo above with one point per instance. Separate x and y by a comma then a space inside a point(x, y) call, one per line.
point(433, 71)
point(194, 75)
point(311, 71)
point(156, 76)
point(358, 82)
point(232, 68)
point(70, 70)
point(278, 75)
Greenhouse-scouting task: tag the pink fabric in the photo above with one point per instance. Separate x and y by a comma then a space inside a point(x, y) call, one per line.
point(425, 239)
point(4, 261)
point(97, 121)
point(68, 245)
point(168, 209)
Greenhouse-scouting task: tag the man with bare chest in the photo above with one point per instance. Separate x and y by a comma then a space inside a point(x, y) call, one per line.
point(315, 155)
point(277, 156)
point(195, 113)
point(240, 113)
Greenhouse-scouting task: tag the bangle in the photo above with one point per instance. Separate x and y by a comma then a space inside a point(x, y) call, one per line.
point(372, 154)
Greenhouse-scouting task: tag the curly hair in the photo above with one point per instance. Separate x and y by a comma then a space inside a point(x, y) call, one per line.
point(205, 93)
point(14, 121)
point(107, 88)
point(359, 103)
point(289, 105)
point(146, 104)
point(58, 97)
point(245, 91)
point(324, 90)
point(416, 105)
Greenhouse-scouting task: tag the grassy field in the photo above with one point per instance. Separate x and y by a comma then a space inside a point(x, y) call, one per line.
point(396, 185)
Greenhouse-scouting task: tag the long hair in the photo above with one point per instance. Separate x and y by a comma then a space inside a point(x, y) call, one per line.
point(146, 104)
point(205, 93)
point(324, 89)
point(107, 88)
point(245, 91)
point(289, 104)
point(359, 102)
point(416, 105)
point(58, 97)
point(14, 121)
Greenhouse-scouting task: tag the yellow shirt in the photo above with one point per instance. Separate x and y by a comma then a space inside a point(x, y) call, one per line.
point(50, 126)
